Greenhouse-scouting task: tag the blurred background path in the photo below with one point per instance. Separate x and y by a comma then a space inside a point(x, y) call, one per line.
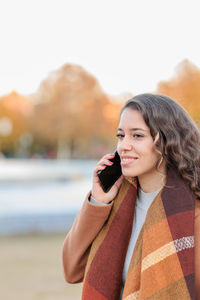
point(31, 269)
point(38, 202)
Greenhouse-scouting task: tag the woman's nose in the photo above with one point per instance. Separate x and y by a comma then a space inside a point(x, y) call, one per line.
point(125, 145)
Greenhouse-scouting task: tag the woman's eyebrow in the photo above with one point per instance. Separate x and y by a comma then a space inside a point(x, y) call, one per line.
point(133, 129)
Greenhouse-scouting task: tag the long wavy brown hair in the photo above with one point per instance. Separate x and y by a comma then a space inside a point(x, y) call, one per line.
point(175, 134)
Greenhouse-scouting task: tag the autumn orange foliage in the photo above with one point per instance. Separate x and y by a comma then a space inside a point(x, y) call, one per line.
point(71, 116)
point(15, 111)
point(185, 88)
point(77, 113)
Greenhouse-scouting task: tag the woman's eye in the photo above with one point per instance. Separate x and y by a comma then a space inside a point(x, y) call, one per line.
point(137, 136)
point(119, 136)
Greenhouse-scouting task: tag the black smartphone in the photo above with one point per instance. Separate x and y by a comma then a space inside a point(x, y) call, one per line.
point(110, 174)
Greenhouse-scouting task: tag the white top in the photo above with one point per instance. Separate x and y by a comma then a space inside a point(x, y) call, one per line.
point(143, 203)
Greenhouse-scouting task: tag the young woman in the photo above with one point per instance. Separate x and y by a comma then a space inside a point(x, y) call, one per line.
point(141, 240)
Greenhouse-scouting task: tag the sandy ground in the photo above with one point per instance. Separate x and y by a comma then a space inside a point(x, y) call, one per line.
point(31, 268)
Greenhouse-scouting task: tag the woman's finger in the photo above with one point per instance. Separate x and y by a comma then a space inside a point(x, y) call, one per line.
point(106, 157)
point(102, 164)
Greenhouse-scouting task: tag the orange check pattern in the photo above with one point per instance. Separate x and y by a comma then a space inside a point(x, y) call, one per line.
point(162, 264)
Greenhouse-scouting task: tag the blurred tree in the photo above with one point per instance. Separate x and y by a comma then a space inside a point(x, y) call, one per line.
point(15, 111)
point(72, 112)
point(185, 88)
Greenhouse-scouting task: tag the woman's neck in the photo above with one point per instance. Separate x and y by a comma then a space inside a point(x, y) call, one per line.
point(153, 181)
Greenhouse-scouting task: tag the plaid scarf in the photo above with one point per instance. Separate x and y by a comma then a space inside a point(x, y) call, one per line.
point(162, 264)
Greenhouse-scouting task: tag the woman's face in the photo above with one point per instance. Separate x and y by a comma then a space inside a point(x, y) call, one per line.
point(135, 145)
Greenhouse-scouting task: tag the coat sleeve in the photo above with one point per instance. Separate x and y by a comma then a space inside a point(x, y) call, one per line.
point(78, 241)
point(197, 250)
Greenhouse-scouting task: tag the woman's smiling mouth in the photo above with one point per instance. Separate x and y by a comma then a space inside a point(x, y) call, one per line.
point(126, 160)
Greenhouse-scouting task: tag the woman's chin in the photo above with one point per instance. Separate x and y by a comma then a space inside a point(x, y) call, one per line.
point(128, 173)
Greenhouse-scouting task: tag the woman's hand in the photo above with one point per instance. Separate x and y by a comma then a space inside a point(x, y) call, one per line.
point(97, 192)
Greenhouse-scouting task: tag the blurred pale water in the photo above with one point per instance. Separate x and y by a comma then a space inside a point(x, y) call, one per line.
point(42, 195)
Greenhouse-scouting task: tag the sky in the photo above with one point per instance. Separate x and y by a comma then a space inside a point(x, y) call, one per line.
point(128, 45)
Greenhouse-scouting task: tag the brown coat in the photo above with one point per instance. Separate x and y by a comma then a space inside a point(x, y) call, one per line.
point(86, 226)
